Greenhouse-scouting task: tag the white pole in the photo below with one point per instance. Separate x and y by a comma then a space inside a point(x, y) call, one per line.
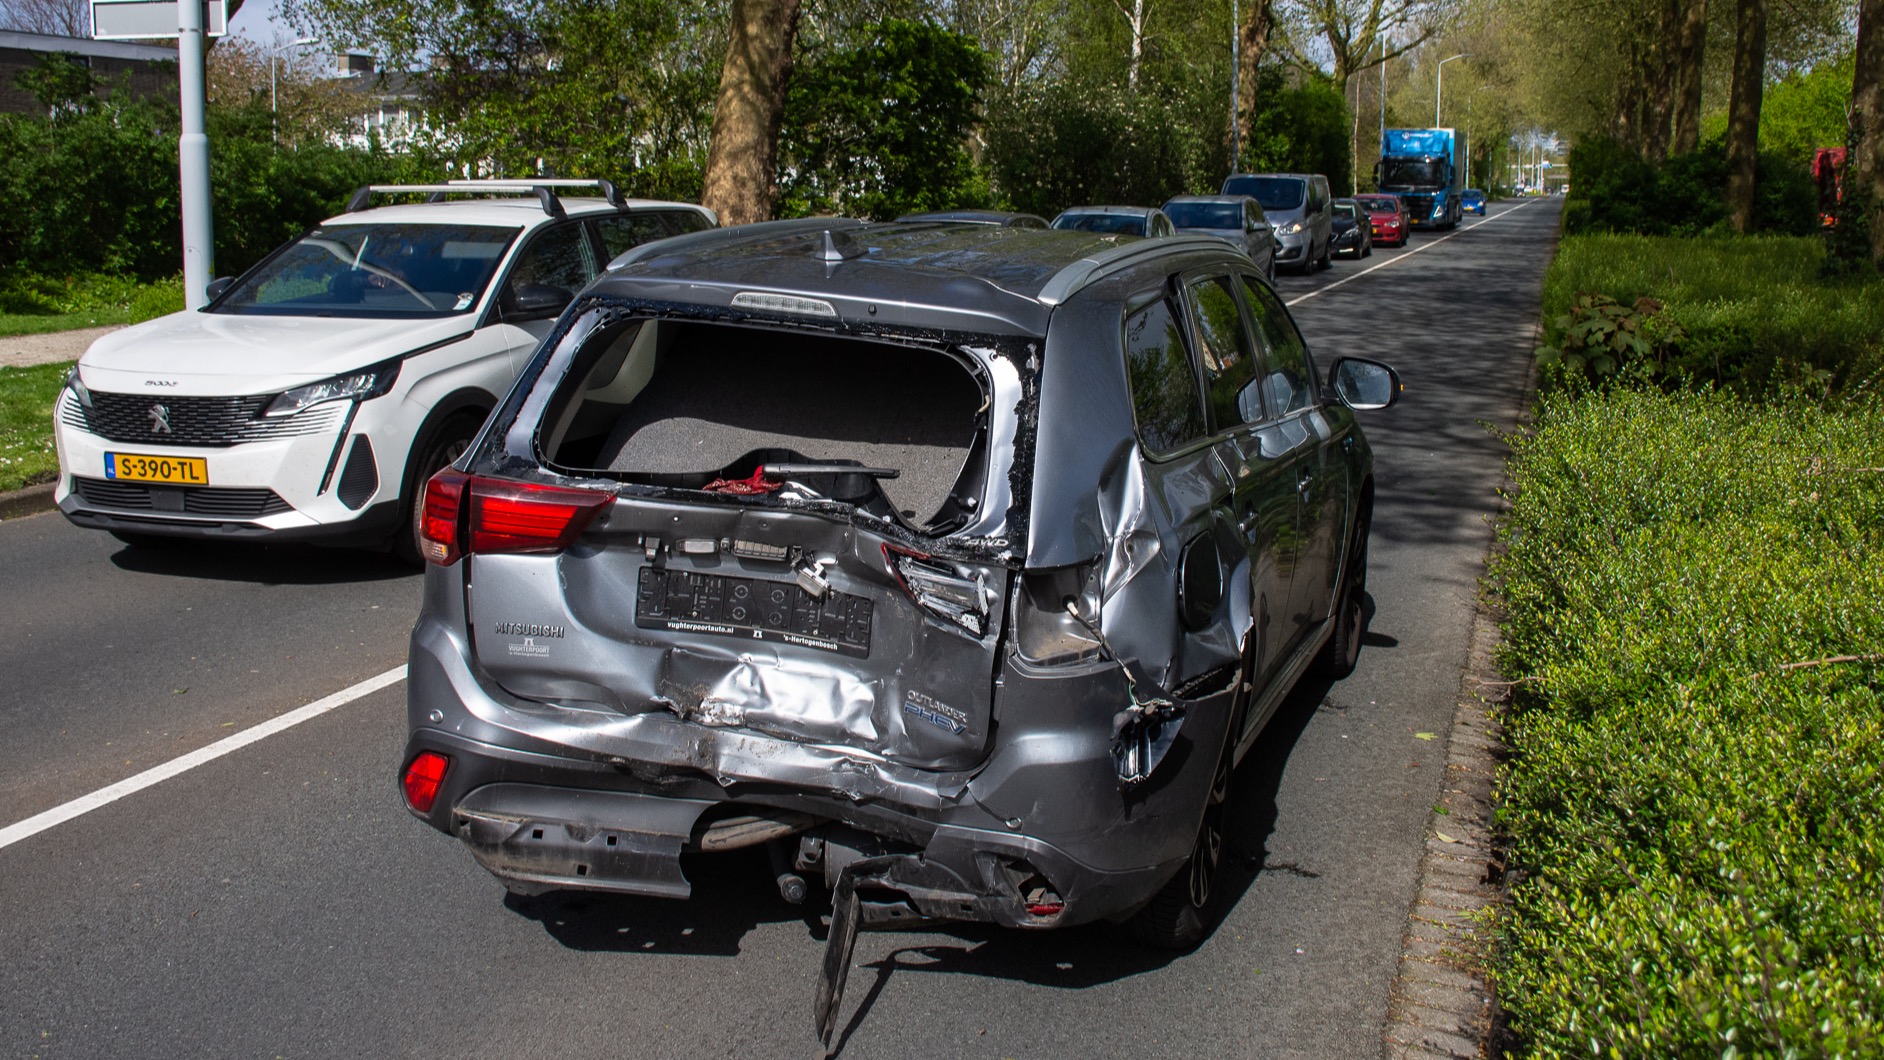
point(193, 157)
point(1236, 80)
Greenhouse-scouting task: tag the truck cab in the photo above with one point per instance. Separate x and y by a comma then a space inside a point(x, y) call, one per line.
point(1418, 166)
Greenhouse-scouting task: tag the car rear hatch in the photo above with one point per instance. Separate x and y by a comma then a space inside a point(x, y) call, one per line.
point(797, 533)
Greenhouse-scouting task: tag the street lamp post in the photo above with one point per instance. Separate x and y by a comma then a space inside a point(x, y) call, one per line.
point(274, 134)
point(1439, 86)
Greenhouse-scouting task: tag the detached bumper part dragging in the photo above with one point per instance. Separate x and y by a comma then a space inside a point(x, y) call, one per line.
point(537, 839)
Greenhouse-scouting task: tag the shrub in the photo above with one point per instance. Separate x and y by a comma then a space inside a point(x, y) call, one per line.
point(1685, 196)
point(1749, 313)
point(1698, 736)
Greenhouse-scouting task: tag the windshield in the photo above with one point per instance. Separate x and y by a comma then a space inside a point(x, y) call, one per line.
point(1347, 210)
point(1275, 193)
point(1413, 173)
point(390, 271)
point(1205, 214)
point(1119, 223)
point(1380, 205)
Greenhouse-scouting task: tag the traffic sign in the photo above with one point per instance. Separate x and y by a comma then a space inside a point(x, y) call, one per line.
point(148, 19)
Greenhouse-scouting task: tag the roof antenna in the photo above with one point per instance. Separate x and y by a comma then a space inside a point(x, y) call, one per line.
point(839, 246)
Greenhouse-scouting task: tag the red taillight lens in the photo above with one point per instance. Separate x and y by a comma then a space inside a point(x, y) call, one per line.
point(465, 515)
point(439, 519)
point(528, 517)
point(423, 778)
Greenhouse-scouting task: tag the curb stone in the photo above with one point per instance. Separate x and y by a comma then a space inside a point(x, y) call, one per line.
point(1441, 1004)
point(30, 501)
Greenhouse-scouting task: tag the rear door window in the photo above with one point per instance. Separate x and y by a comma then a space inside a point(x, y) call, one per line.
point(1227, 354)
point(624, 232)
point(1164, 389)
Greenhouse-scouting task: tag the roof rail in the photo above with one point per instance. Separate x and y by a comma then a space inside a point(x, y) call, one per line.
point(726, 237)
point(1073, 278)
point(544, 190)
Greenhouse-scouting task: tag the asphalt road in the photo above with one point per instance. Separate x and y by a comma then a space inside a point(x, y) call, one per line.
point(277, 901)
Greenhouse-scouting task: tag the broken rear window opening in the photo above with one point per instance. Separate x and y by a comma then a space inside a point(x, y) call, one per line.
point(896, 431)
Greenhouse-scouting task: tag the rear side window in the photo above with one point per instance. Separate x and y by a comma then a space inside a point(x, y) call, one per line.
point(1287, 377)
point(1227, 354)
point(624, 232)
point(1164, 390)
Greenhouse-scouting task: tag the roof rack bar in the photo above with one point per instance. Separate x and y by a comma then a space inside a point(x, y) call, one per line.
point(607, 188)
point(436, 193)
point(1074, 278)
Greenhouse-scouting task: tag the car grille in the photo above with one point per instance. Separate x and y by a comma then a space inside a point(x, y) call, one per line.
point(218, 501)
point(193, 421)
point(1418, 207)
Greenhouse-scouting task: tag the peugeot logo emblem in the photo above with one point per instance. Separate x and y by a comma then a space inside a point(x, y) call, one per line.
point(160, 419)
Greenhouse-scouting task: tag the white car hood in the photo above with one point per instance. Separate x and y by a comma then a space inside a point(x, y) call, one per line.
point(214, 354)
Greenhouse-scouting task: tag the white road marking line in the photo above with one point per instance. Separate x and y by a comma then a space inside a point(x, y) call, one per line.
point(105, 796)
point(1402, 257)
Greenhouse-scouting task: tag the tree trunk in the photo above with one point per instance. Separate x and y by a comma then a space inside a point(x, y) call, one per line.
point(1864, 171)
point(1743, 110)
point(1660, 75)
point(741, 173)
point(1255, 41)
point(1690, 53)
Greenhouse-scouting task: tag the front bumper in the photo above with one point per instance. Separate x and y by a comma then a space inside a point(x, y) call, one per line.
point(549, 797)
point(338, 479)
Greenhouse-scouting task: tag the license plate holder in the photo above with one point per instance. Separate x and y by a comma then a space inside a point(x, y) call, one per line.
point(173, 470)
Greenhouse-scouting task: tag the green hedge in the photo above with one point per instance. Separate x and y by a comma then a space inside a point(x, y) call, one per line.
point(1695, 790)
point(1687, 195)
point(1750, 313)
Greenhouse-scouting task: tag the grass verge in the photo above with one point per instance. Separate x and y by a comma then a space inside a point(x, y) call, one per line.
point(1749, 312)
point(27, 395)
point(34, 305)
point(1691, 586)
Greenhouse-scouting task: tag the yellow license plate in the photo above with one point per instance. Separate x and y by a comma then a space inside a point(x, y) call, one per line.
point(129, 467)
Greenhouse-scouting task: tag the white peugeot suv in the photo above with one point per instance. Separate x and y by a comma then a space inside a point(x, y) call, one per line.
point(314, 395)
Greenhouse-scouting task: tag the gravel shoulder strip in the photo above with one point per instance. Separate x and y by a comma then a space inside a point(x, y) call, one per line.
point(21, 351)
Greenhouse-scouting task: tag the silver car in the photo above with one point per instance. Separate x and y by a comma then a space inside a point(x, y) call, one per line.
point(1236, 219)
point(1301, 208)
point(1147, 221)
point(956, 566)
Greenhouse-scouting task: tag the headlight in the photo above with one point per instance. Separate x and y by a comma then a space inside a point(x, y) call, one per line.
point(358, 386)
point(77, 387)
point(1290, 228)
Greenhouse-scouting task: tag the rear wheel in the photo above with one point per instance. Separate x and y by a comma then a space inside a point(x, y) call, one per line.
point(442, 445)
point(1343, 648)
point(1179, 916)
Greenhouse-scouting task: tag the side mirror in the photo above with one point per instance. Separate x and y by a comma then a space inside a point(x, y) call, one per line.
point(534, 301)
point(215, 288)
point(1364, 385)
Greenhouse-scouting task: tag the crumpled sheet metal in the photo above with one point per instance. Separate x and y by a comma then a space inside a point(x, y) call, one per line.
point(659, 739)
point(828, 704)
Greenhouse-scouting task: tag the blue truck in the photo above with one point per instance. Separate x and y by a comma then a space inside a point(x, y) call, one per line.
point(1417, 165)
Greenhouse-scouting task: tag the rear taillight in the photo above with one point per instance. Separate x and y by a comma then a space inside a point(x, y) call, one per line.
point(465, 515)
point(423, 778)
point(954, 595)
point(439, 523)
point(528, 517)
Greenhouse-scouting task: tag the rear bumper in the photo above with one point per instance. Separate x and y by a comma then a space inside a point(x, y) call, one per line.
point(548, 798)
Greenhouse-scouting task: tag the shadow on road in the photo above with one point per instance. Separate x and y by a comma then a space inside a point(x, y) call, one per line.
point(285, 564)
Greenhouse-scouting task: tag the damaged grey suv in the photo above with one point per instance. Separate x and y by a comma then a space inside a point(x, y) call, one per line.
point(956, 565)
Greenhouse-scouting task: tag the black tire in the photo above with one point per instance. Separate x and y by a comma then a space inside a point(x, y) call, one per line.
point(1184, 909)
point(442, 444)
point(1327, 255)
point(1343, 648)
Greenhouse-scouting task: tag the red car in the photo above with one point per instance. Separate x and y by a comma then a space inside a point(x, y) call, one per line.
point(1388, 216)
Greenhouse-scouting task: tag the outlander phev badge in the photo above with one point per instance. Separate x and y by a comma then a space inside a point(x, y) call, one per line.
point(160, 419)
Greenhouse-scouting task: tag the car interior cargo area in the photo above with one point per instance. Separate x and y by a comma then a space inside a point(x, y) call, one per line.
point(755, 411)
